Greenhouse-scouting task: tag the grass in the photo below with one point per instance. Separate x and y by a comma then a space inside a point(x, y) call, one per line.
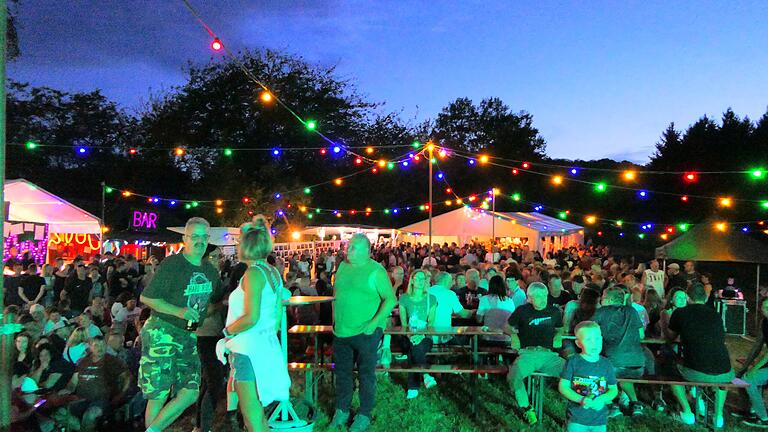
point(446, 407)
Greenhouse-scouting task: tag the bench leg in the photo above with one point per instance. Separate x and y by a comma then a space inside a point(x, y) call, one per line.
point(540, 398)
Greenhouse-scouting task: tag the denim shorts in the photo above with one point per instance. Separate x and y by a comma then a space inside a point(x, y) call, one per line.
point(242, 370)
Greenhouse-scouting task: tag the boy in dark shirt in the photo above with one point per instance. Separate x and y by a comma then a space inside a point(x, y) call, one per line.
point(536, 329)
point(588, 382)
point(705, 356)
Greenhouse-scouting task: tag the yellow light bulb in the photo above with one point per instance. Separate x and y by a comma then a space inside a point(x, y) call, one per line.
point(337, 182)
point(558, 180)
point(591, 219)
point(726, 202)
point(219, 202)
point(630, 175)
point(483, 159)
point(296, 235)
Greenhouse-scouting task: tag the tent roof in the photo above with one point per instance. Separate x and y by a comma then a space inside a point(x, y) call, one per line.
point(220, 236)
point(31, 203)
point(330, 229)
point(541, 222)
point(476, 222)
point(703, 243)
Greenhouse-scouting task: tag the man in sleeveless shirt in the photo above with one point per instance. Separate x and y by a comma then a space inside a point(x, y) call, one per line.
point(178, 296)
point(364, 300)
point(654, 278)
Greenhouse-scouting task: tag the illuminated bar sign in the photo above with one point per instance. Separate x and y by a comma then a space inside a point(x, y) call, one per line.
point(145, 221)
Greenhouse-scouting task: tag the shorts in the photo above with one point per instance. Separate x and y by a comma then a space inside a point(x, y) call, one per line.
point(632, 372)
point(79, 407)
point(530, 361)
point(241, 367)
point(169, 359)
point(695, 376)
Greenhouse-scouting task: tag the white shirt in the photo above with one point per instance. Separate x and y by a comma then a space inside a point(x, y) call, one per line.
point(518, 296)
point(447, 304)
point(655, 281)
point(488, 302)
point(429, 261)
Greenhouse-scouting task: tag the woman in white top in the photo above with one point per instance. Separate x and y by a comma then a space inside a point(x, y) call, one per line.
point(494, 310)
point(259, 371)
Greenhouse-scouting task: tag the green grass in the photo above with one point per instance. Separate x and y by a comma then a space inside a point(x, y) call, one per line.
point(446, 407)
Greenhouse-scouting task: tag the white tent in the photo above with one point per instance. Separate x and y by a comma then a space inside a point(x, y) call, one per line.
point(31, 203)
point(344, 232)
point(539, 231)
point(220, 236)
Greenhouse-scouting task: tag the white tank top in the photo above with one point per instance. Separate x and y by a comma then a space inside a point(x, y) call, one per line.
point(267, 315)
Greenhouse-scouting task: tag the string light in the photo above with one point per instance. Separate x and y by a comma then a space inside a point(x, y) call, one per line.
point(690, 177)
point(516, 197)
point(108, 190)
point(601, 187)
point(725, 202)
point(369, 150)
point(574, 171)
point(526, 165)
point(227, 152)
point(127, 194)
point(684, 198)
point(219, 210)
point(310, 124)
point(721, 226)
point(216, 44)
point(682, 227)
point(266, 97)
point(30, 145)
point(132, 151)
point(179, 151)
point(307, 191)
point(557, 180)
point(642, 194)
point(757, 173)
point(483, 159)
point(337, 182)
point(629, 175)
point(591, 219)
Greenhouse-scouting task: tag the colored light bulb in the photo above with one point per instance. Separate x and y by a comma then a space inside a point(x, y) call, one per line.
point(310, 124)
point(216, 44)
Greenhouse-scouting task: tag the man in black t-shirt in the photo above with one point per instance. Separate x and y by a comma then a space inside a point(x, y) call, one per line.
point(536, 329)
point(557, 295)
point(705, 356)
point(755, 373)
point(31, 286)
point(78, 288)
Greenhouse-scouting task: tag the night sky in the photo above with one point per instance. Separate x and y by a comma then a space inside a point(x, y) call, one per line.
point(601, 79)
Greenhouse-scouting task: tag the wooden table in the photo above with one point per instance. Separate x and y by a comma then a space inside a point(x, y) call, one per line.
point(650, 341)
point(285, 417)
point(474, 331)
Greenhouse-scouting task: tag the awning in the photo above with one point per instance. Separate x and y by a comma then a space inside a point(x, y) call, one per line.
point(31, 203)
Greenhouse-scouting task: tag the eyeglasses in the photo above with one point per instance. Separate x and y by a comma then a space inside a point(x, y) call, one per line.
point(199, 237)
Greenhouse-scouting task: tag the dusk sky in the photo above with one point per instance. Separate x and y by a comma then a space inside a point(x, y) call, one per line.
point(602, 79)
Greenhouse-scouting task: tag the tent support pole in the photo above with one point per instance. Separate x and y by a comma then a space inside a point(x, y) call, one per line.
point(757, 299)
point(430, 147)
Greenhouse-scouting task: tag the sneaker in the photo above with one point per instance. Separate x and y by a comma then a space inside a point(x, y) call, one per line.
point(624, 400)
point(386, 357)
point(429, 381)
point(529, 415)
point(401, 357)
point(340, 419)
point(743, 414)
point(636, 408)
point(614, 411)
point(756, 422)
point(659, 405)
point(412, 394)
point(361, 423)
point(684, 418)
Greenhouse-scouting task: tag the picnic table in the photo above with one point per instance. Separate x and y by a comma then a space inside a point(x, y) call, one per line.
point(284, 416)
point(473, 331)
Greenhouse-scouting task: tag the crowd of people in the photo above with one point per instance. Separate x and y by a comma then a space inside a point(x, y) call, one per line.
point(121, 339)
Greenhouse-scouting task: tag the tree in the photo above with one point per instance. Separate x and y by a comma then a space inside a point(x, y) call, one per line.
point(491, 125)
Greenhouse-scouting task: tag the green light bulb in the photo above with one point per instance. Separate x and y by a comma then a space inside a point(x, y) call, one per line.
point(187, 206)
point(386, 211)
point(619, 222)
point(108, 189)
point(311, 125)
point(562, 215)
point(682, 227)
point(31, 145)
point(516, 197)
point(764, 205)
point(317, 210)
point(310, 216)
point(307, 191)
point(227, 152)
point(641, 236)
point(416, 144)
point(195, 203)
point(390, 165)
point(758, 173)
point(421, 207)
point(601, 187)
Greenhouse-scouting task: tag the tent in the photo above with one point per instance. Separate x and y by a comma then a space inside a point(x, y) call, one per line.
point(220, 236)
point(539, 231)
point(344, 232)
point(704, 243)
point(31, 203)
point(61, 229)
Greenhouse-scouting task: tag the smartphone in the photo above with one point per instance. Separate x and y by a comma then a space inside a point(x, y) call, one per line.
point(39, 403)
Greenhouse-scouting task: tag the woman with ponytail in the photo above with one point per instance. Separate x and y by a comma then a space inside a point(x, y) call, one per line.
point(258, 369)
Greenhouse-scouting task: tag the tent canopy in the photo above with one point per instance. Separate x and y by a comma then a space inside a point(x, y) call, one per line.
point(220, 236)
point(703, 243)
point(466, 223)
point(343, 231)
point(31, 203)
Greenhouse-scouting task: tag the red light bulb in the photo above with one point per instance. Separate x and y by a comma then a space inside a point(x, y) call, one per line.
point(216, 44)
point(684, 198)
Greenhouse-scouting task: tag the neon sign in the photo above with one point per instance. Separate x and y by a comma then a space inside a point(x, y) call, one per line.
point(144, 220)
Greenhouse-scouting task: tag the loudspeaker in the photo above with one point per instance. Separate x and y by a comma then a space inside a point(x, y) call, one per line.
point(734, 314)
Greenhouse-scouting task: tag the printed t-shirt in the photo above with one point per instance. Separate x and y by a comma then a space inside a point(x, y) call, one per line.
point(536, 327)
point(590, 379)
point(99, 381)
point(182, 284)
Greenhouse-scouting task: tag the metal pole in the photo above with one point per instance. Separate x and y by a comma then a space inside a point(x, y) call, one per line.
point(493, 219)
point(6, 340)
point(102, 223)
point(431, 148)
point(757, 300)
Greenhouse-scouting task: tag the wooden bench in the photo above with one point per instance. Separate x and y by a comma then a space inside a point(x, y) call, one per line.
point(535, 388)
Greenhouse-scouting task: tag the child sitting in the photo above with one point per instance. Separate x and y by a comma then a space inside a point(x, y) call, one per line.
point(588, 382)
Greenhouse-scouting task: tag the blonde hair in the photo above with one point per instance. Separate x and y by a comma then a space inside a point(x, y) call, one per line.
point(585, 325)
point(255, 239)
point(411, 279)
point(78, 336)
